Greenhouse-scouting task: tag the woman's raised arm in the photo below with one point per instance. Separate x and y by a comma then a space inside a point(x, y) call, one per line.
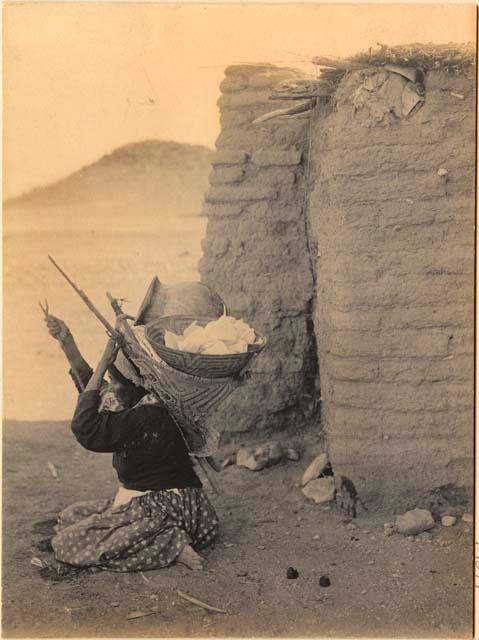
point(80, 370)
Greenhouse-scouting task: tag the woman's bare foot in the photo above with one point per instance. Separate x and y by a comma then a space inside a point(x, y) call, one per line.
point(190, 558)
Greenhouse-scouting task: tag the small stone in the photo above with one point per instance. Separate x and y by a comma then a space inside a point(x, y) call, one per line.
point(316, 537)
point(438, 504)
point(292, 454)
point(114, 604)
point(260, 457)
point(468, 517)
point(261, 547)
point(448, 521)
point(292, 573)
point(442, 172)
point(242, 574)
point(245, 458)
point(324, 581)
point(457, 512)
point(320, 490)
point(314, 469)
point(414, 522)
point(351, 525)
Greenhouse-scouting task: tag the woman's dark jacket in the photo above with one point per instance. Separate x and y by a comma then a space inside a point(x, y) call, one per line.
point(149, 452)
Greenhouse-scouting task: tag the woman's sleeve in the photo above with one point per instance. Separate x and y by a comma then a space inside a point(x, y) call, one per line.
point(107, 431)
point(81, 375)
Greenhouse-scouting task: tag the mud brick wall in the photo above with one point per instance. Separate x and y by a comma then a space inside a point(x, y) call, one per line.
point(256, 249)
point(394, 312)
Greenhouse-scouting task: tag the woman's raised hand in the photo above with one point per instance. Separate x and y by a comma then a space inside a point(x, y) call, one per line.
point(57, 328)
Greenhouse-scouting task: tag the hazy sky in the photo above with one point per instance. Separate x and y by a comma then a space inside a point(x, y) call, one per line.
point(78, 77)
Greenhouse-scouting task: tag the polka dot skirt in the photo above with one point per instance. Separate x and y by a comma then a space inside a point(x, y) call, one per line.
point(149, 532)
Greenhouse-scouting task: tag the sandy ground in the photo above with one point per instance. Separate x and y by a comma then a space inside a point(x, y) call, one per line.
point(380, 586)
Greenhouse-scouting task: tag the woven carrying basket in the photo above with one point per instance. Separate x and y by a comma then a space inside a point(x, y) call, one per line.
point(197, 364)
point(190, 399)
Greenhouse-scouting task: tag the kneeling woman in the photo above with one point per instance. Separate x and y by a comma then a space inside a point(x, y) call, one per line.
point(161, 514)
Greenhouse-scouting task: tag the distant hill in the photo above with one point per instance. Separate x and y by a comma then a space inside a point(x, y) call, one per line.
point(150, 175)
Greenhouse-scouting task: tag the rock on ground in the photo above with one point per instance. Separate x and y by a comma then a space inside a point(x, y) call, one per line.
point(314, 469)
point(292, 454)
point(413, 522)
point(320, 490)
point(260, 457)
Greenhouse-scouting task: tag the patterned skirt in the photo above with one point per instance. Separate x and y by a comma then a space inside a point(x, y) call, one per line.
point(148, 532)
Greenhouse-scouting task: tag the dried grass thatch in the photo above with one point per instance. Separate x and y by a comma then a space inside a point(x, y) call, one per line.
point(452, 57)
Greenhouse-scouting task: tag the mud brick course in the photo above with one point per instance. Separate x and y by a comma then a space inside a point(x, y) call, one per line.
point(256, 252)
point(394, 305)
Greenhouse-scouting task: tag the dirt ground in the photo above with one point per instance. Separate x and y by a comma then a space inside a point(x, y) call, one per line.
point(380, 586)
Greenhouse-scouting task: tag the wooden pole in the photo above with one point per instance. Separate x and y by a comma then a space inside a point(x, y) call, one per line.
point(324, 93)
point(111, 331)
point(305, 106)
point(337, 63)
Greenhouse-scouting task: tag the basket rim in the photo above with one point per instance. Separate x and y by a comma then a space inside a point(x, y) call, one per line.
point(156, 285)
point(252, 348)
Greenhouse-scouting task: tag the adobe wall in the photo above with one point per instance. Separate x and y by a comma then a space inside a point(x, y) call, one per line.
point(394, 312)
point(256, 252)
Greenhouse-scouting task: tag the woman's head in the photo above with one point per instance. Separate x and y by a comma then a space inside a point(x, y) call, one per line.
point(119, 396)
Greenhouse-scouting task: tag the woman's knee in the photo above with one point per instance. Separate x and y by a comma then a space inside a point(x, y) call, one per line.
point(79, 511)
